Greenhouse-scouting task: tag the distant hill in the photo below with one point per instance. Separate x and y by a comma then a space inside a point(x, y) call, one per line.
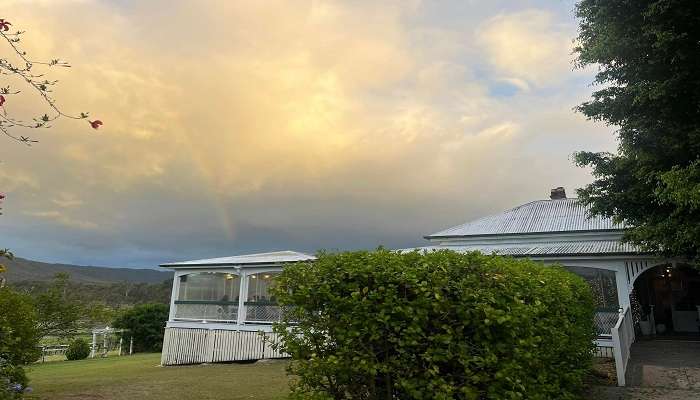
point(20, 269)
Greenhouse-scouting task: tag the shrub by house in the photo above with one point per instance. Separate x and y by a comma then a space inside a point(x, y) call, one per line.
point(439, 325)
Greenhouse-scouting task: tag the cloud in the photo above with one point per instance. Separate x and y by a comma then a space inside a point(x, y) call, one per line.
point(67, 200)
point(529, 46)
point(62, 219)
point(245, 126)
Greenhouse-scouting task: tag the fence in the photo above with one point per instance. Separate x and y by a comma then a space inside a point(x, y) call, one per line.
point(622, 338)
point(100, 348)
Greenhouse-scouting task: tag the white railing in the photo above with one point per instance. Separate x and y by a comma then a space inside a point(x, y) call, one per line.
point(622, 337)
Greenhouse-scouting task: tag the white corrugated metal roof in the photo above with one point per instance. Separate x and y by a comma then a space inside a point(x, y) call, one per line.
point(598, 247)
point(541, 216)
point(274, 257)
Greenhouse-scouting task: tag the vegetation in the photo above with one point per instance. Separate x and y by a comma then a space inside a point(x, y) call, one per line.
point(146, 324)
point(139, 376)
point(18, 341)
point(648, 58)
point(18, 334)
point(111, 295)
point(57, 314)
point(13, 380)
point(439, 325)
point(22, 73)
point(79, 349)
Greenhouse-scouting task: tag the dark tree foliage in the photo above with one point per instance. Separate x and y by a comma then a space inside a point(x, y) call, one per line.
point(648, 54)
point(112, 295)
point(146, 324)
point(439, 326)
point(57, 314)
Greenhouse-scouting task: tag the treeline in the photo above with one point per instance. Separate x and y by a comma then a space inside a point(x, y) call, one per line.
point(33, 314)
point(113, 295)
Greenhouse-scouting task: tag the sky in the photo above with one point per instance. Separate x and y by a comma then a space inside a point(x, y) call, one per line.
point(244, 126)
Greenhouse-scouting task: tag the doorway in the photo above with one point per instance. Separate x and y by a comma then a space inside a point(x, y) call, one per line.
point(669, 295)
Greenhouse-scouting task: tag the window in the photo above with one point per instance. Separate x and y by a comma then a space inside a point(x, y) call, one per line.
point(261, 305)
point(211, 296)
point(604, 288)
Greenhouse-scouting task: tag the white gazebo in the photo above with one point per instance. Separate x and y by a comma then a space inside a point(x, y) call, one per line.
point(221, 309)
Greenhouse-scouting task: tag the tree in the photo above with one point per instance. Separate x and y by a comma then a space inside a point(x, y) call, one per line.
point(4, 253)
point(57, 314)
point(146, 324)
point(648, 60)
point(22, 68)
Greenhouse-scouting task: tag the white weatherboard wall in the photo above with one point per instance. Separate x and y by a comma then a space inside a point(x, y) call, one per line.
point(196, 346)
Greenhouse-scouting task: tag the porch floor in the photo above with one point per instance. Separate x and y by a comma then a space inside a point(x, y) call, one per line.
point(663, 363)
point(658, 370)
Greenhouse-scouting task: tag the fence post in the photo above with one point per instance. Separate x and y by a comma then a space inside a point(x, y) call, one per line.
point(92, 347)
point(120, 345)
point(104, 343)
point(131, 346)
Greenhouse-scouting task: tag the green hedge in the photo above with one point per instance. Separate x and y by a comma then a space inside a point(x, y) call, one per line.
point(441, 325)
point(79, 349)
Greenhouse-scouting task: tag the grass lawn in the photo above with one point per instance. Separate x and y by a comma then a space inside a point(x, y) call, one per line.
point(140, 377)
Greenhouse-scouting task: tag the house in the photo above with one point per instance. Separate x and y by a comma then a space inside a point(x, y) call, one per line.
point(218, 304)
point(221, 309)
point(632, 289)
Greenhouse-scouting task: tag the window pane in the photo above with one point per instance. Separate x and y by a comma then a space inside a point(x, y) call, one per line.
point(208, 296)
point(261, 305)
point(212, 286)
point(603, 285)
point(259, 286)
point(604, 288)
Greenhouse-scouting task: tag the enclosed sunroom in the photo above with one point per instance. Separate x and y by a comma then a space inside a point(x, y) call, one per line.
point(222, 309)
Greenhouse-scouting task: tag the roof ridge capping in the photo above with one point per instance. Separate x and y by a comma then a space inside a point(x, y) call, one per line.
point(538, 216)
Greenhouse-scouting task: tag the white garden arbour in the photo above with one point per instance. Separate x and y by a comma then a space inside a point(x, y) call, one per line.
point(108, 335)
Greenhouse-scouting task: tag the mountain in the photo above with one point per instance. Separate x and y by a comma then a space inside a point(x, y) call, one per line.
point(20, 269)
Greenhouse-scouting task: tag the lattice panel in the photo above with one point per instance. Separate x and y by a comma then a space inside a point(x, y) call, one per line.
point(266, 313)
point(605, 321)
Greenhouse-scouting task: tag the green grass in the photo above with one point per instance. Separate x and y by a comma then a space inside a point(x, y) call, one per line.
point(140, 377)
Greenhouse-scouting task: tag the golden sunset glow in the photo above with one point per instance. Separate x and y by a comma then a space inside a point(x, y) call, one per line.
point(279, 124)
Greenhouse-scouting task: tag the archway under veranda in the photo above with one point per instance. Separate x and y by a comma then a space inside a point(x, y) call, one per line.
point(667, 300)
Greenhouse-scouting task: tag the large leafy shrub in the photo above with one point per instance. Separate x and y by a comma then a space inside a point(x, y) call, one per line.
point(13, 381)
point(441, 325)
point(146, 324)
point(19, 339)
point(78, 349)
